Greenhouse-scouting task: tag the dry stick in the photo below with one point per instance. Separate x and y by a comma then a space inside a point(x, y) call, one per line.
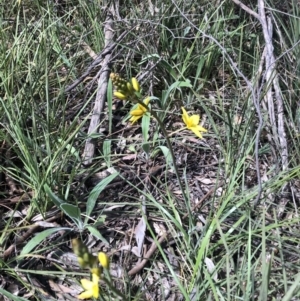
point(272, 79)
point(246, 8)
point(107, 50)
point(280, 124)
point(89, 149)
point(152, 249)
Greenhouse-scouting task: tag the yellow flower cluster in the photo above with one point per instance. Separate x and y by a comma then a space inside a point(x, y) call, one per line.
point(124, 89)
point(86, 259)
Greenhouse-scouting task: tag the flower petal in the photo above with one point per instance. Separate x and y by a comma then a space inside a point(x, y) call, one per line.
point(134, 119)
point(201, 129)
point(196, 131)
point(96, 291)
point(85, 295)
point(194, 120)
point(86, 284)
point(137, 112)
point(185, 116)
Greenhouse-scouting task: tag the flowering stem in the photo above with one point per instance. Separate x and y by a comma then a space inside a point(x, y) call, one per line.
point(165, 133)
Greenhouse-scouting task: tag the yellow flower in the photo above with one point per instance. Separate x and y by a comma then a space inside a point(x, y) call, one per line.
point(139, 111)
point(192, 122)
point(91, 288)
point(135, 84)
point(104, 260)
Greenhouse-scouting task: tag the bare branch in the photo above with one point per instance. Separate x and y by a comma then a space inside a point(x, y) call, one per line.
point(246, 9)
point(101, 93)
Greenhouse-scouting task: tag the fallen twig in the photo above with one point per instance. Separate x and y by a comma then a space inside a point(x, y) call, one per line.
point(101, 93)
point(150, 252)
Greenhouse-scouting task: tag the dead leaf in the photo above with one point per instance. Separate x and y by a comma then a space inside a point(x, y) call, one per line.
point(205, 181)
point(211, 267)
point(139, 232)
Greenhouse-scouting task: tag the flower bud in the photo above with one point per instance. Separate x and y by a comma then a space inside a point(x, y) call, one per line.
point(119, 95)
point(129, 88)
point(135, 84)
point(104, 260)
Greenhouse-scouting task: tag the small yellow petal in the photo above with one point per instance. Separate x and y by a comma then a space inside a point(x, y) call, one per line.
point(96, 271)
point(87, 284)
point(137, 112)
point(185, 116)
point(194, 120)
point(134, 119)
point(81, 262)
point(196, 132)
point(201, 129)
point(85, 295)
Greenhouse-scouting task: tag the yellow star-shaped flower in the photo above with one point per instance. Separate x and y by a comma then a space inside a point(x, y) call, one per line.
point(192, 123)
point(139, 111)
point(91, 288)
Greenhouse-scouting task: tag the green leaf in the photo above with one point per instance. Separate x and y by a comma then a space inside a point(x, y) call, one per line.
point(95, 193)
point(174, 86)
point(74, 213)
point(39, 238)
point(145, 126)
point(167, 154)
point(96, 233)
point(55, 199)
point(70, 148)
point(107, 152)
point(11, 296)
